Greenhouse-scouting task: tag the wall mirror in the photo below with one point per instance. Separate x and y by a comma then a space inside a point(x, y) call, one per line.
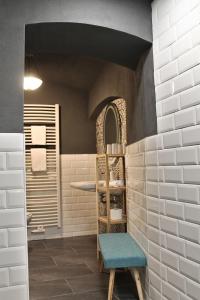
point(112, 125)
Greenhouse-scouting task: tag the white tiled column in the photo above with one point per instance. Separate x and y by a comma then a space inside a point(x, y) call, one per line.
point(164, 217)
point(13, 236)
point(78, 206)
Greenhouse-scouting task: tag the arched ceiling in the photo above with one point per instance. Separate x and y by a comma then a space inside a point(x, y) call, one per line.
point(85, 40)
point(78, 72)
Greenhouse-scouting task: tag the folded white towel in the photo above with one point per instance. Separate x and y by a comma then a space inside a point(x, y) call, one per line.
point(38, 159)
point(38, 135)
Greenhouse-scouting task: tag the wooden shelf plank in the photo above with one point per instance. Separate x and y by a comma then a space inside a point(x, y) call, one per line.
point(109, 155)
point(104, 219)
point(104, 189)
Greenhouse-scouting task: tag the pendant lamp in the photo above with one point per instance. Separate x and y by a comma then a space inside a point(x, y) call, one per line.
point(31, 79)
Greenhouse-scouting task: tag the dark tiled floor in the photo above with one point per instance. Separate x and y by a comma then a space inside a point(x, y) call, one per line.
point(67, 269)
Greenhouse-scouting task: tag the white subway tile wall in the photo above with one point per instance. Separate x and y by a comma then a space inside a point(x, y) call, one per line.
point(78, 207)
point(167, 193)
point(13, 235)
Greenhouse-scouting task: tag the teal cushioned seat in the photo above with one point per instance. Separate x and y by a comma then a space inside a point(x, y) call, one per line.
point(119, 250)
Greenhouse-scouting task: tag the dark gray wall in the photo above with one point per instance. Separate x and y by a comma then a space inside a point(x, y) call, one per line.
point(78, 133)
point(114, 81)
point(11, 77)
point(130, 16)
point(137, 88)
point(143, 120)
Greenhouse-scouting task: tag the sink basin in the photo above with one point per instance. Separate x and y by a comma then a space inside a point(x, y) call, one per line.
point(90, 186)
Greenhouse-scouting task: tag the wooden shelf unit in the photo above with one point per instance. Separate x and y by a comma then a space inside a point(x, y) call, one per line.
point(107, 191)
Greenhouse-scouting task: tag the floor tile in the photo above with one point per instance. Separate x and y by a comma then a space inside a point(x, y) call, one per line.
point(66, 259)
point(36, 244)
point(40, 262)
point(88, 242)
point(58, 243)
point(63, 272)
point(92, 282)
point(125, 292)
point(99, 295)
point(51, 252)
point(92, 263)
point(86, 253)
point(124, 278)
point(34, 275)
point(67, 269)
point(49, 289)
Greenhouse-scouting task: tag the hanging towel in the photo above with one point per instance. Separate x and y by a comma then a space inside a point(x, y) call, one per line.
point(38, 159)
point(38, 135)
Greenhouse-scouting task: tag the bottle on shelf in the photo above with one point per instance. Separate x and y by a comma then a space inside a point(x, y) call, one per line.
point(115, 211)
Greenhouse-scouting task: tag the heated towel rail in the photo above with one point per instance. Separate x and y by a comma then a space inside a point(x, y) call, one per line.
point(43, 189)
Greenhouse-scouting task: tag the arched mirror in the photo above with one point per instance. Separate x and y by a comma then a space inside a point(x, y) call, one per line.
point(112, 131)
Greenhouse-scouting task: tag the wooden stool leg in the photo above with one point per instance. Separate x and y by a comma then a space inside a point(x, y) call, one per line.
point(111, 284)
point(136, 275)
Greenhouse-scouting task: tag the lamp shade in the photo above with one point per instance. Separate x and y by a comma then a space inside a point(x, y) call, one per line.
point(31, 79)
point(31, 82)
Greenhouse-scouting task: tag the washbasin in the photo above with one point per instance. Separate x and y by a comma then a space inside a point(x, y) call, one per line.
point(90, 186)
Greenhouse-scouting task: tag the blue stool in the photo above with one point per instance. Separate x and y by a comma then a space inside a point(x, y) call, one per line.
point(119, 250)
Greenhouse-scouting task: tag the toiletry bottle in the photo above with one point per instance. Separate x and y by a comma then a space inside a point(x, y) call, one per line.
point(109, 149)
point(115, 206)
point(111, 175)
